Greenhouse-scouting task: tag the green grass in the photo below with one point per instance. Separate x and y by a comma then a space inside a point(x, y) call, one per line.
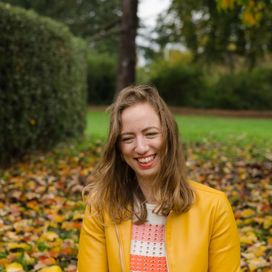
point(201, 128)
point(197, 128)
point(97, 124)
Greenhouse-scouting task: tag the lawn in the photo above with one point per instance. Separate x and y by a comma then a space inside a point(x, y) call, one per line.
point(201, 128)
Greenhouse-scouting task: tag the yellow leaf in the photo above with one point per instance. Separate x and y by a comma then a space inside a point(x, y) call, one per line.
point(248, 213)
point(67, 225)
point(14, 267)
point(249, 18)
point(248, 238)
point(28, 259)
point(226, 4)
point(260, 251)
point(77, 215)
point(58, 218)
point(268, 222)
point(257, 262)
point(259, 220)
point(50, 236)
point(12, 246)
point(53, 268)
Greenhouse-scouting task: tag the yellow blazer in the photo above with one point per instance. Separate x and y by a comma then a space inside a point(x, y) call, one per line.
point(203, 239)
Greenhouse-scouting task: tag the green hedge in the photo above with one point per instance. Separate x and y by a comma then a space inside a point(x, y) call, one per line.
point(187, 85)
point(101, 78)
point(179, 84)
point(42, 82)
point(245, 90)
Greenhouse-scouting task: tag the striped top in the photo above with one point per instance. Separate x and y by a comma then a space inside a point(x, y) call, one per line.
point(147, 252)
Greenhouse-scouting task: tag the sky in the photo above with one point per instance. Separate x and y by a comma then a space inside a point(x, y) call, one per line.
point(148, 11)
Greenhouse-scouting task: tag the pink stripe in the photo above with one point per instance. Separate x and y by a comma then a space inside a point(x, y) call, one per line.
point(148, 233)
point(142, 263)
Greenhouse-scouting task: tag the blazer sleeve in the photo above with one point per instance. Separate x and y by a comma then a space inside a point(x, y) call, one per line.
point(92, 254)
point(224, 247)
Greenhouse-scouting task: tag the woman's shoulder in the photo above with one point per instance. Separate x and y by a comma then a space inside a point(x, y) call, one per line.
point(205, 189)
point(206, 193)
point(209, 199)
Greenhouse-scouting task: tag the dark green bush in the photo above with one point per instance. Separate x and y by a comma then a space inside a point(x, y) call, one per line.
point(179, 84)
point(101, 78)
point(245, 90)
point(42, 82)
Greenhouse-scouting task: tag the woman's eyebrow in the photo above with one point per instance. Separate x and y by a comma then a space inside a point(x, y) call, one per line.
point(126, 133)
point(144, 130)
point(149, 128)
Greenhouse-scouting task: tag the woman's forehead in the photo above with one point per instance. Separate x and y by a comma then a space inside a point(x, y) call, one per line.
point(141, 113)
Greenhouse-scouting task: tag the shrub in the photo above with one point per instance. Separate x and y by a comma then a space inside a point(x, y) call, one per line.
point(101, 78)
point(42, 83)
point(179, 84)
point(244, 90)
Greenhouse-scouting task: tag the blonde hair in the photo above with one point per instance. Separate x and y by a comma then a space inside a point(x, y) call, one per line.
point(114, 187)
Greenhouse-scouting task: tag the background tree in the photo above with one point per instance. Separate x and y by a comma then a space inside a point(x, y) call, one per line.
point(108, 26)
point(127, 50)
point(215, 32)
point(97, 21)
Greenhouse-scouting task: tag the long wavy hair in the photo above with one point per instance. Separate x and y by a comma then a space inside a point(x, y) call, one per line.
point(113, 187)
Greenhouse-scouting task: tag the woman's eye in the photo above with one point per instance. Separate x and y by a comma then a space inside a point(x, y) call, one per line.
point(127, 139)
point(151, 134)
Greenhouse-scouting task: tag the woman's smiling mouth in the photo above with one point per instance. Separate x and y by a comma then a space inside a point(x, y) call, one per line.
point(146, 162)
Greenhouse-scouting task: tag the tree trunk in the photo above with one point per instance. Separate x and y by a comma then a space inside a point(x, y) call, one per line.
point(127, 47)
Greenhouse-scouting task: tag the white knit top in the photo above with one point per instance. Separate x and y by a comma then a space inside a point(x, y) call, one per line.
point(147, 252)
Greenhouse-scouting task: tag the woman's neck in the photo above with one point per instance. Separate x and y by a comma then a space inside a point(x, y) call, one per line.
point(146, 187)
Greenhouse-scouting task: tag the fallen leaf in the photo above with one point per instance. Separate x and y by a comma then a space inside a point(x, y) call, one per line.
point(14, 267)
point(54, 268)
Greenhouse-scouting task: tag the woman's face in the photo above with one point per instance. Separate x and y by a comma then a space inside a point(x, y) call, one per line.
point(141, 140)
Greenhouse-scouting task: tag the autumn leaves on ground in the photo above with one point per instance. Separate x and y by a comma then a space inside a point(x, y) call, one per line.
point(41, 204)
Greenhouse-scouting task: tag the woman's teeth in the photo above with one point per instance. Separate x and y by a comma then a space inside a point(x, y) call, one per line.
point(146, 159)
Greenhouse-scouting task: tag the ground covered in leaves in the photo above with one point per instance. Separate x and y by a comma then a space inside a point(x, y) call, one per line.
point(41, 205)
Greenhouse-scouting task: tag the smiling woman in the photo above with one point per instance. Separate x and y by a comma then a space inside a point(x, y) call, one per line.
point(140, 144)
point(142, 213)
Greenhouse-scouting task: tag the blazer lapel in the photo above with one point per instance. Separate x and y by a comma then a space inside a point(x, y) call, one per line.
point(125, 239)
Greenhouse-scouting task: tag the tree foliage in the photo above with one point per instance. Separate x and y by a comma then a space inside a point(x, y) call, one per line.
point(251, 12)
point(219, 31)
point(98, 21)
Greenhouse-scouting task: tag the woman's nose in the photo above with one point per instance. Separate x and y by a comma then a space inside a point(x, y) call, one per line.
point(141, 145)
